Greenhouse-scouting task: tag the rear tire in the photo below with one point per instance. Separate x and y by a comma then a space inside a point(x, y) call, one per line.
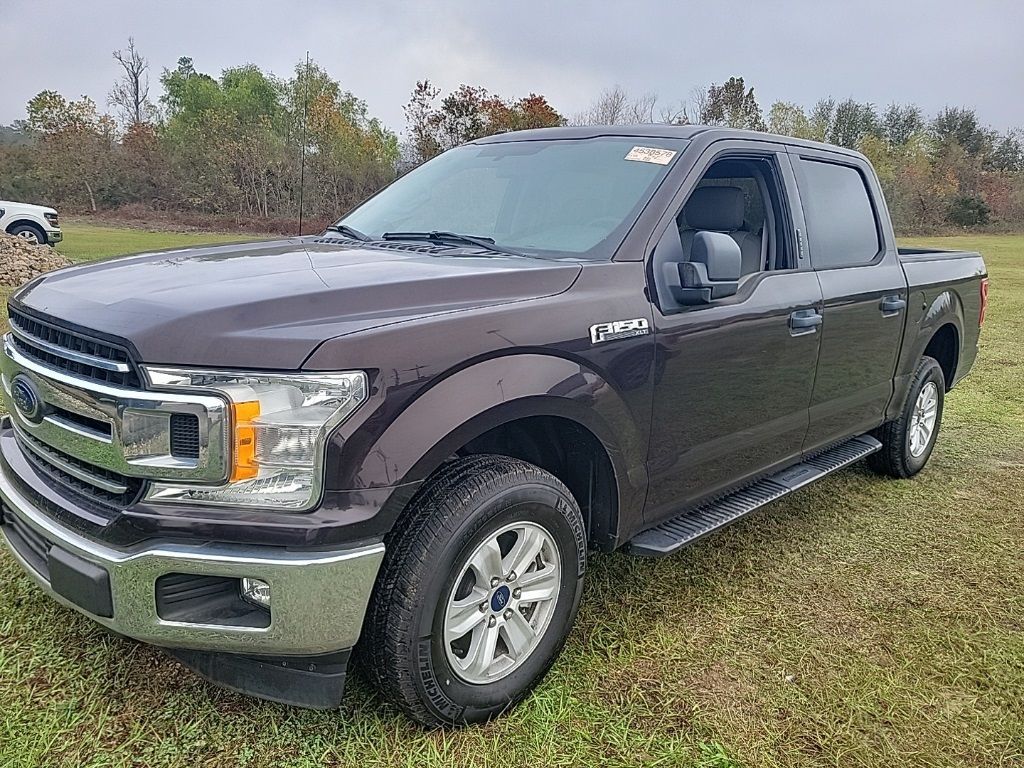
point(908, 440)
point(446, 640)
point(30, 233)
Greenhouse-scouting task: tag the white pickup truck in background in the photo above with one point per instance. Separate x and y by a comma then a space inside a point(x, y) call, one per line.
point(34, 223)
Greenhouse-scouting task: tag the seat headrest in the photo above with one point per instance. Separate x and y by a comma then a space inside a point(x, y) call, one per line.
point(715, 208)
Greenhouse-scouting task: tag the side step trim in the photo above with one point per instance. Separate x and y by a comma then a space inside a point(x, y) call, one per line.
point(683, 530)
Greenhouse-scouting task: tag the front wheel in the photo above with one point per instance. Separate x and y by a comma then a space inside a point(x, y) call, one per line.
point(30, 233)
point(908, 440)
point(479, 587)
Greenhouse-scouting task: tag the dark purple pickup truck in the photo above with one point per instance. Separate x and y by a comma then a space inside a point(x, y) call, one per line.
point(404, 435)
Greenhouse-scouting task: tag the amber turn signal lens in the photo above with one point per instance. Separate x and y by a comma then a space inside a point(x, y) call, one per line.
point(243, 459)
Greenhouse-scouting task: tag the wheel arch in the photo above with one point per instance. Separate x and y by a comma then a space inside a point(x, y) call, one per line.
point(545, 409)
point(939, 329)
point(941, 333)
point(944, 346)
point(29, 221)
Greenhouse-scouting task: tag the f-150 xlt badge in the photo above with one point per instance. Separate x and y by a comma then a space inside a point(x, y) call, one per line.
point(619, 329)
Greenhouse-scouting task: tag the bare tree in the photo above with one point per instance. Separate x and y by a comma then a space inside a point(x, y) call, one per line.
point(700, 101)
point(131, 91)
point(610, 108)
point(641, 109)
point(616, 107)
point(675, 113)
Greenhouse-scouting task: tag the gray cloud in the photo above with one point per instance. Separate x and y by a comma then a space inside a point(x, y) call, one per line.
point(931, 53)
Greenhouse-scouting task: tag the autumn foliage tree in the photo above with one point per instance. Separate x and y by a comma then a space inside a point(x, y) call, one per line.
point(76, 146)
point(468, 113)
point(247, 144)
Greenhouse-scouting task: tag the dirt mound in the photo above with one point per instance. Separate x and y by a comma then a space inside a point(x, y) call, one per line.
point(21, 261)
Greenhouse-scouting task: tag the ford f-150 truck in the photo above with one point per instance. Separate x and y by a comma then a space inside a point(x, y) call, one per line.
point(410, 430)
point(36, 224)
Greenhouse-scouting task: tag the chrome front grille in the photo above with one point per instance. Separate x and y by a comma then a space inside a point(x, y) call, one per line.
point(72, 352)
point(99, 441)
point(82, 481)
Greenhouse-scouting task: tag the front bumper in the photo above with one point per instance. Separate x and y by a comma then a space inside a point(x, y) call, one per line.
point(54, 236)
point(318, 598)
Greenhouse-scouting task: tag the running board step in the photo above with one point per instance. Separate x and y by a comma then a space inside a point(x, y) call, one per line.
point(681, 531)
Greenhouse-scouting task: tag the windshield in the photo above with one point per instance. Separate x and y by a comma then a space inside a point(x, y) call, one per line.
point(569, 198)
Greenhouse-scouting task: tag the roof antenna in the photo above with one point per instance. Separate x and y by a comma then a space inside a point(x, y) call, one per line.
point(302, 149)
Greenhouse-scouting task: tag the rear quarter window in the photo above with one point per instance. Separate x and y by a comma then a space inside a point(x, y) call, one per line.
point(841, 227)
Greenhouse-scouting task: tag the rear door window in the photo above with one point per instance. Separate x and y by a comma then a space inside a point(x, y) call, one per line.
point(841, 226)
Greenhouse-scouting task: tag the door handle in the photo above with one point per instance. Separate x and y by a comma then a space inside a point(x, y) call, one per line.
point(804, 321)
point(892, 305)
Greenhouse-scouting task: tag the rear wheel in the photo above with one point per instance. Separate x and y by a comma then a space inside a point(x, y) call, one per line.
point(908, 440)
point(29, 233)
point(479, 588)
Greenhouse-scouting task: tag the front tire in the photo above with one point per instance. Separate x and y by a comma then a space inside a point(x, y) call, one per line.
point(908, 440)
point(480, 585)
point(30, 233)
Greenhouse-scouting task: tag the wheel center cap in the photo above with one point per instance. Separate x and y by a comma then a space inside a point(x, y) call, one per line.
point(500, 598)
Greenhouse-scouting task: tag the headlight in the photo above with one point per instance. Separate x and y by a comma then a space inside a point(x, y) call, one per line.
point(279, 427)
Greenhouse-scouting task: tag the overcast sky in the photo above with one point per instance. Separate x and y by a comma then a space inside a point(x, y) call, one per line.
point(932, 53)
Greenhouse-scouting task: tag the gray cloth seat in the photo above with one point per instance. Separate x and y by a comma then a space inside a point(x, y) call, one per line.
point(721, 209)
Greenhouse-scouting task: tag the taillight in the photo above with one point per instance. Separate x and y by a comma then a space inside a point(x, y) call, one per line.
point(984, 301)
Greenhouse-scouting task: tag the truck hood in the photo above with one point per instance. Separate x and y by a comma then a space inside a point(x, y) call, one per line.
point(270, 304)
point(12, 207)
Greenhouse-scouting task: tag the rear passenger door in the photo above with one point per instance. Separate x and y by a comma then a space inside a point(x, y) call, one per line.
point(863, 289)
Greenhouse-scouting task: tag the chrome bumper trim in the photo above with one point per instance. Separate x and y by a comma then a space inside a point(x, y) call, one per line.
point(318, 598)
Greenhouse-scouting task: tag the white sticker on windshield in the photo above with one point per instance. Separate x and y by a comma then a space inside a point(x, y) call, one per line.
point(651, 155)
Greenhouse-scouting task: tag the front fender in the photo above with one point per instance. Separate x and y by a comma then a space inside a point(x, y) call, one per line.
point(20, 217)
point(473, 400)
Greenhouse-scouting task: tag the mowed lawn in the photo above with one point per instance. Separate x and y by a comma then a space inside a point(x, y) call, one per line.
point(85, 242)
point(862, 621)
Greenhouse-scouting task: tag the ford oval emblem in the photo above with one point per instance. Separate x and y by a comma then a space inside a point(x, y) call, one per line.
point(500, 598)
point(27, 400)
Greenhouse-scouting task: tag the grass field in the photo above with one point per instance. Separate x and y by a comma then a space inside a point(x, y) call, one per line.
point(85, 242)
point(861, 622)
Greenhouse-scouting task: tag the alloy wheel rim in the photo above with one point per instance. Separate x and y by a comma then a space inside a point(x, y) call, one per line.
point(31, 237)
point(923, 418)
point(502, 602)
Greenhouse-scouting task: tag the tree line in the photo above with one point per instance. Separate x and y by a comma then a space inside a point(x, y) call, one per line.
point(253, 146)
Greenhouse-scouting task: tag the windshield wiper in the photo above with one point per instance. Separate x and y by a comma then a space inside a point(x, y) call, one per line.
point(451, 237)
point(345, 229)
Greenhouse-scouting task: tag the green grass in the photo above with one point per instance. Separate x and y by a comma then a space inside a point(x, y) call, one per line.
point(86, 242)
point(862, 621)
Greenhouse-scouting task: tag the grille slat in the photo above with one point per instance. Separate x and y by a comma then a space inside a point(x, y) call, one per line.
point(72, 352)
point(107, 501)
point(184, 436)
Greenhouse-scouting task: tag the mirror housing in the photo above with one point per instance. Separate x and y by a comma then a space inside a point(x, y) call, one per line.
point(713, 271)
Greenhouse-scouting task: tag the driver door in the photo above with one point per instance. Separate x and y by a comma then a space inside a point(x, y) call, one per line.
point(733, 376)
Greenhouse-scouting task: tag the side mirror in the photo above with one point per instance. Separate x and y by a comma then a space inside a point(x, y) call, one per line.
point(713, 271)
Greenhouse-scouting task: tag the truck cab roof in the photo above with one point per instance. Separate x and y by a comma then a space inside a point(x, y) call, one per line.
point(705, 133)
